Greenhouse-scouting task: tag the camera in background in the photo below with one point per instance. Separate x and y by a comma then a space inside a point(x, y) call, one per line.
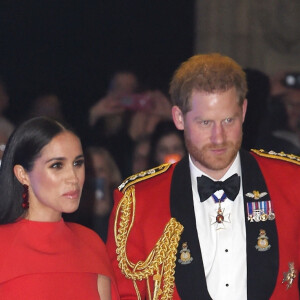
point(137, 102)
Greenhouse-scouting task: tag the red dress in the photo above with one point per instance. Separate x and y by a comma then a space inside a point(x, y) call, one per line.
point(51, 260)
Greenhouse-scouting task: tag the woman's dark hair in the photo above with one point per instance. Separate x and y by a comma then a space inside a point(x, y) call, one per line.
point(23, 148)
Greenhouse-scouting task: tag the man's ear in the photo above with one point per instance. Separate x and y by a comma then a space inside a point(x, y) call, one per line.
point(178, 117)
point(21, 174)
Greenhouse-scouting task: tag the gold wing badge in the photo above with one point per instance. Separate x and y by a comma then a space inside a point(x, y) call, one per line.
point(256, 195)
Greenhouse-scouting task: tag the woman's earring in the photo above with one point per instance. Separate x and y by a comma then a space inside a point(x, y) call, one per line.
point(25, 203)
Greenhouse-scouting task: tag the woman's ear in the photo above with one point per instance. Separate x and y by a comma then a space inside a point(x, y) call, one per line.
point(178, 117)
point(21, 174)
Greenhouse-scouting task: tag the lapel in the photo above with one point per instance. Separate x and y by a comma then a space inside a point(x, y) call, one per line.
point(262, 266)
point(190, 278)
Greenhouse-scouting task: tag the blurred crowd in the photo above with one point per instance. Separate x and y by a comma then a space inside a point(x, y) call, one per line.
point(130, 129)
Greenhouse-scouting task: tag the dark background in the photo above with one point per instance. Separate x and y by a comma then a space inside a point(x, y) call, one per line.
point(73, 48)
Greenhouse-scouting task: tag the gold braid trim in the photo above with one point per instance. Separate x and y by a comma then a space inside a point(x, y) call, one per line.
point(281, 155)
point(160, 263)
point(133, 179)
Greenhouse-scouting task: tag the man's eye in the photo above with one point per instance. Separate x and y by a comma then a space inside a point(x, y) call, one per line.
point(205, 123)
point(228, 120)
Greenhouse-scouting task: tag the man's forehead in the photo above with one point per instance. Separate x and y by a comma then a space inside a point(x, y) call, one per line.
point(214, 91)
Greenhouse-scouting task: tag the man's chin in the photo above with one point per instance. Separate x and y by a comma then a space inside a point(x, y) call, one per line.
point(216, 165)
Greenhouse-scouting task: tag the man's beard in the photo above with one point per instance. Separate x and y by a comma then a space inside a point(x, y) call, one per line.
point(210, 161)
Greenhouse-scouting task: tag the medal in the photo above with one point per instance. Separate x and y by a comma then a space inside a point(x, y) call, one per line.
point(262, 241)
point(264, 217)
point(271, 216)
point(256, 215)
point(220, 218)
point(260, 211)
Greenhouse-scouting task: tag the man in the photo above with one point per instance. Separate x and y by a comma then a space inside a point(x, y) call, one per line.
point(220, 224)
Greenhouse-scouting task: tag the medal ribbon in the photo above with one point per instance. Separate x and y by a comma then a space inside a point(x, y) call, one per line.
point(262, 206)
point(217, 200)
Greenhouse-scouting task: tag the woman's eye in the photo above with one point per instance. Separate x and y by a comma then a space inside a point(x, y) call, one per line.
point(79, 163)
point(57, 165)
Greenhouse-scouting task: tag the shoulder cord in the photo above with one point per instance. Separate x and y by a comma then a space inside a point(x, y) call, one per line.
point(161, 259)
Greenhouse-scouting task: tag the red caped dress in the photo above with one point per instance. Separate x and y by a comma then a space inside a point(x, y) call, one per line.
point(51, 260)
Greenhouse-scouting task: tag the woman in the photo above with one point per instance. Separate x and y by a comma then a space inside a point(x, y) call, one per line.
point(41, 256)
point(102, 177)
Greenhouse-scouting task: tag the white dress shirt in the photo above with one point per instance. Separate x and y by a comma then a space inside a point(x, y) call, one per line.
point(223, 249)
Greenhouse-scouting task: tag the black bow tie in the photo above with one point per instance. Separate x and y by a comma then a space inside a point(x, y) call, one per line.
point(206, 187)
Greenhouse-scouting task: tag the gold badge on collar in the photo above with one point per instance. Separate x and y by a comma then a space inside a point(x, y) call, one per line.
point(185, 255)
point(262, 241)
point(289, 276)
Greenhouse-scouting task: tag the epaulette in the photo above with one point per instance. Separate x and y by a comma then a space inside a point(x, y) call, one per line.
point(143, 176)
point(281, 155)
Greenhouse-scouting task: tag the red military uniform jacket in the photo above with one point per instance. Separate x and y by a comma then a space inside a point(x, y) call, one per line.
point(154, 216)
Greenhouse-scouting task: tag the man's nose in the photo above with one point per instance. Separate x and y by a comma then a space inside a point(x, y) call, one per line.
point(218, 134)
